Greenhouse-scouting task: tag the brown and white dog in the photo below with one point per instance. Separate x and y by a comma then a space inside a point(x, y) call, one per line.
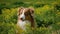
point(25, 14)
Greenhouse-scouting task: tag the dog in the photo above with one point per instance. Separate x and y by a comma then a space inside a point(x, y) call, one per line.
point(25, 14)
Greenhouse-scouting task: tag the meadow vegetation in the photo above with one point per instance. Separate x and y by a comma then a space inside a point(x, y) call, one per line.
point(46, 15)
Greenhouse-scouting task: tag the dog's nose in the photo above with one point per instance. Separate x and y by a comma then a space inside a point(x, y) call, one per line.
point(21, 18)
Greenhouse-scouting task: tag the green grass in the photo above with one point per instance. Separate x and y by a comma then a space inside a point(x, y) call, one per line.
point(46, 15)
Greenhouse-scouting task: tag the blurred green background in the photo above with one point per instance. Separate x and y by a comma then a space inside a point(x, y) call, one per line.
point(46, 15)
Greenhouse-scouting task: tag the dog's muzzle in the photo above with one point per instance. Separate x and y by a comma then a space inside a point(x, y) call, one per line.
point(22, 17)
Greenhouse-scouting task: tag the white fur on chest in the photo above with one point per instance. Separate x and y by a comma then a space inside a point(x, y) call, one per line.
point(22, 24)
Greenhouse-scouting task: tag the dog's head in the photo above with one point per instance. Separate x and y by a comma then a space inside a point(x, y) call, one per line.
point(25, 13)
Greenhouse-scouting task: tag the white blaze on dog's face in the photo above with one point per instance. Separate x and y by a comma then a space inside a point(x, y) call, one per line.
point(21, 12)
point(22, 16)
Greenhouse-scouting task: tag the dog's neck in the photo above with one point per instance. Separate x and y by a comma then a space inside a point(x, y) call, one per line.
point(21, 24)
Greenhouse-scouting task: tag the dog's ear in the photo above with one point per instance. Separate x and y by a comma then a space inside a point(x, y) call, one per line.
point(19, 9)
point(31, 11)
